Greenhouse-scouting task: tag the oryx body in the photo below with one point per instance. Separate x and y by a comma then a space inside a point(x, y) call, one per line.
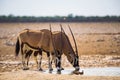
point(39, 40)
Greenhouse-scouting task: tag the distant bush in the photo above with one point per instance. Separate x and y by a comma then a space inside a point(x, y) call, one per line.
point(69, 18)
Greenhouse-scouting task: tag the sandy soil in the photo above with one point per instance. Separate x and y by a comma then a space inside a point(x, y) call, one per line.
point(98, 45)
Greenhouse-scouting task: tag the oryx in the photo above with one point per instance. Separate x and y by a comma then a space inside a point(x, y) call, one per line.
point(38, 40)
point(62, 45)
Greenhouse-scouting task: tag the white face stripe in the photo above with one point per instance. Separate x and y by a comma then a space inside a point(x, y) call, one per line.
point(75, 61)
point(58, 60)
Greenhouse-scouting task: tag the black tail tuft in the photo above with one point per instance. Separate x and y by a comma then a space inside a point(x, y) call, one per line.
point(17, 47)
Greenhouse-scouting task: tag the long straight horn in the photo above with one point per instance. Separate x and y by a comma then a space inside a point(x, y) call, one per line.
point(52, 38)
point(61, 37)
point(74, 41)
point(50, 28)
point(62, 30)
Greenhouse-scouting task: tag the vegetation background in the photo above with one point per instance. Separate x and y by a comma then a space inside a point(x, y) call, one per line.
point(69, 18)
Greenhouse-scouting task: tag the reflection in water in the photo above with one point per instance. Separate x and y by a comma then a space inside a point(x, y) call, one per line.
point(105, 71)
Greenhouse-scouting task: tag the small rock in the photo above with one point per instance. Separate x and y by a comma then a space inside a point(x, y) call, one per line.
point(13, 35)
point(4, 67)
point(8, 43)
point(114, 51)
point(13, 70)
point(100, 40)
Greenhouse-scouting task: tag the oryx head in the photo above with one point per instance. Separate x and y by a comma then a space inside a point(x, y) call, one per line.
point(73, 55)
point(75, 61)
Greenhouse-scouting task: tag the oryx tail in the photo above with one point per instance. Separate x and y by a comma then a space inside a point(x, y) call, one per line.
point(17, 47)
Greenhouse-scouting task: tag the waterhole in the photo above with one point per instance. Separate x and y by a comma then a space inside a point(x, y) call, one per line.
point(104, 71)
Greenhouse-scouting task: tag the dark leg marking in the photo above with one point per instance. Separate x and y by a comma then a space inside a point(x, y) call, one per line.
point(58, 62)
point(23, 58)
point(28, 54)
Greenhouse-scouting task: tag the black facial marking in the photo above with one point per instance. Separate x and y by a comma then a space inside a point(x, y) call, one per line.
point(76, 61)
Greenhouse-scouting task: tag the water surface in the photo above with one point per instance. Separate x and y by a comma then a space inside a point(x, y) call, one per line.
point(105, 71)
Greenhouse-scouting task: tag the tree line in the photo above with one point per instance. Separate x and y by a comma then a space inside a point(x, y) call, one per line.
point(69, 18)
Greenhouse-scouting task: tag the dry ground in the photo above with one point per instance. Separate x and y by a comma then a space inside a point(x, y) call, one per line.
point(34, 75)
point(98, 45)
point(92, 38)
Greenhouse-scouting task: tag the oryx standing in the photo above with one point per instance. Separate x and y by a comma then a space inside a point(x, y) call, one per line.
point(36, 39)
point(62, 45)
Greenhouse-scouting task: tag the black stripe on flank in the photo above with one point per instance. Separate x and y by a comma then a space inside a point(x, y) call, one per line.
point(31, 46)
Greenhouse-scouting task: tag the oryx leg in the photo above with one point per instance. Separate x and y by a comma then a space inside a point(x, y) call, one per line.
point(28, 54)
point(40, 59)
point(28, 57)
point(35, 58)
point(53, 60)
point(58, 62)
point(23, 58)
point(49, 62)
point(61, 66)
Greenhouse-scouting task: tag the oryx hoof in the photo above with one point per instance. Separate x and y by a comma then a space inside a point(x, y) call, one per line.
point(58, 71)
point(51, 69)
point(40, 69)
point(62, 68)
point(82, 72)
point(25, 68)
point(77, 72)
point(77, 69)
